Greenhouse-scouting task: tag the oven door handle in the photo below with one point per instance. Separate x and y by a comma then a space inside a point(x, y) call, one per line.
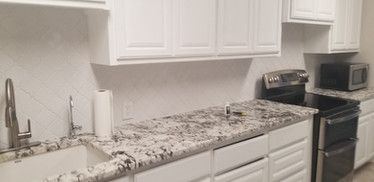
point(341, 150)
point(349, 116)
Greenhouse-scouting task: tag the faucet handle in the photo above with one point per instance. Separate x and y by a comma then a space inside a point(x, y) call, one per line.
point(26, 134)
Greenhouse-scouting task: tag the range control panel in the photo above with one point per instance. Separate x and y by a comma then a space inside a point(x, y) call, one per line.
point(285, 78)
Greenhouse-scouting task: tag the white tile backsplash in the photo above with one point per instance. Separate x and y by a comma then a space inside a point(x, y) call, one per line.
point(45, 51)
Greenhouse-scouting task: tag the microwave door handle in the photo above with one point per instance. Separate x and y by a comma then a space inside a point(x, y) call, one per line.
point(341, 150)
point(343, 118)
point(365, 75)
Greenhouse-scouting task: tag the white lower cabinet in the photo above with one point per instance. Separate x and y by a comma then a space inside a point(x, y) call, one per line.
point(123, 179)
point(241, 153)
point(360, 156)
point(256, 172)
point(365, 145)
point(300, 176)
point(288, 161)
point(291, 150)
point(283, 155)
point(365, 134)
point(195, 168)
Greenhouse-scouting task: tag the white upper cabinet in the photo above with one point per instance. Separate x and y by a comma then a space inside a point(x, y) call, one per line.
point(249, 27)
point(340, 28)
point(144, 29)
point(84, 4)
point(234, 26)
point(267, 26)
point(309, 11)
point(194, 27)
point(354, 24)
point(343, 36)
point(326, 10)
point(303, 9)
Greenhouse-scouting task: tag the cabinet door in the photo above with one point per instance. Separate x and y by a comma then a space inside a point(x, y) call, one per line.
point(123, 179)
point(354, 24)
point(339, 28)
point(267, 26)
point(194, 27)
point(256, 172)
point(326, 10)
point(360, 156)
point(143, 28)
point(303, 9)
point(234, 26)
point(289, 160)
point(301, 176)
point(370, 137)
point(195, 168)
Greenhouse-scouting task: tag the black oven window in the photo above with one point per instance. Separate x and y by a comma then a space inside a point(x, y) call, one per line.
point(357, 77)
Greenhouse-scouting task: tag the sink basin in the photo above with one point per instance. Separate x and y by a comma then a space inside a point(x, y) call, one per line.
point(38, 167)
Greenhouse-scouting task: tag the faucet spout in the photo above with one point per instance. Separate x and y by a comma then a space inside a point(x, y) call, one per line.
point(11, 121)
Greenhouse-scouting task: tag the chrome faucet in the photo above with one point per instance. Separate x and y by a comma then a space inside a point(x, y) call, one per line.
point(73, 127)
point(15, 136)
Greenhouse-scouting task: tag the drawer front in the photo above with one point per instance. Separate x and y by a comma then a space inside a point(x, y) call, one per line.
point(367, 107)
point(240, 153)
point(288, 161)
point(285, 136)
point(256, 172)
point(301, 176)
point(194, 168)
point(123, 179)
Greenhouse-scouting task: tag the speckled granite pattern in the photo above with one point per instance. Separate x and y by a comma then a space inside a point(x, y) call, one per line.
point(137, 145)
point(359, 95)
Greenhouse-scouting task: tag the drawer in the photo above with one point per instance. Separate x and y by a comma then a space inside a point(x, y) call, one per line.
point(123, 179)
point(301, 176)
point(194, 168)
point(256, 172)
point(367, 107)
point(241, 153)
point(289, 160)
point(287, 135)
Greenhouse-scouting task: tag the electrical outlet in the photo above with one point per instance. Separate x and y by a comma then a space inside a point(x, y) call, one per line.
point(127, 111)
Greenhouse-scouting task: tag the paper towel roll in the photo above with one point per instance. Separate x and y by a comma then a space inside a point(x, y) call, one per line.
point(103, 113)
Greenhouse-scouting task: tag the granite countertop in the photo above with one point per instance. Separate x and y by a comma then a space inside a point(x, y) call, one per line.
point(137, 146)
point(359, 95)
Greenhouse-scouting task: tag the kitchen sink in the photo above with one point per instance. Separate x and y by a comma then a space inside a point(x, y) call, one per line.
point(38, 167)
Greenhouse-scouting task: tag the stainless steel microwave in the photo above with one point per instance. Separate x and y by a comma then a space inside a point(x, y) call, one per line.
point(344, 76)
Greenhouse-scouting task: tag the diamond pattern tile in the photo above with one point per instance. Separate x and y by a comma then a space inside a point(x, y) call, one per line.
point(45, 51)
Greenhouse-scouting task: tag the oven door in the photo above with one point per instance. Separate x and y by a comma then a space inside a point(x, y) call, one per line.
point(336, 163)
point(358, 76)
point(339, 127)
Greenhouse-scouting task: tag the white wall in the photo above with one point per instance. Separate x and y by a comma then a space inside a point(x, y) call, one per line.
point(45, 52)
point(367, 39)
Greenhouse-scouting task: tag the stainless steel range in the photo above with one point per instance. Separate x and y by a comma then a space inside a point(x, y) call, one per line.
point(335, 126)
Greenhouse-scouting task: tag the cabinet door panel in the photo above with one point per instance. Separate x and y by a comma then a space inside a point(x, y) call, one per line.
point(194, 27)
point(288, 161)
point(267, 25)
point(360, 155)
point(326, 10)
point(370, 137)
point(234, 23)
point(257, 171)
point(303, 9)
point(143, 28)
point(195, 168)
point(339, 29)
point(301, 176)
point(354, 24)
